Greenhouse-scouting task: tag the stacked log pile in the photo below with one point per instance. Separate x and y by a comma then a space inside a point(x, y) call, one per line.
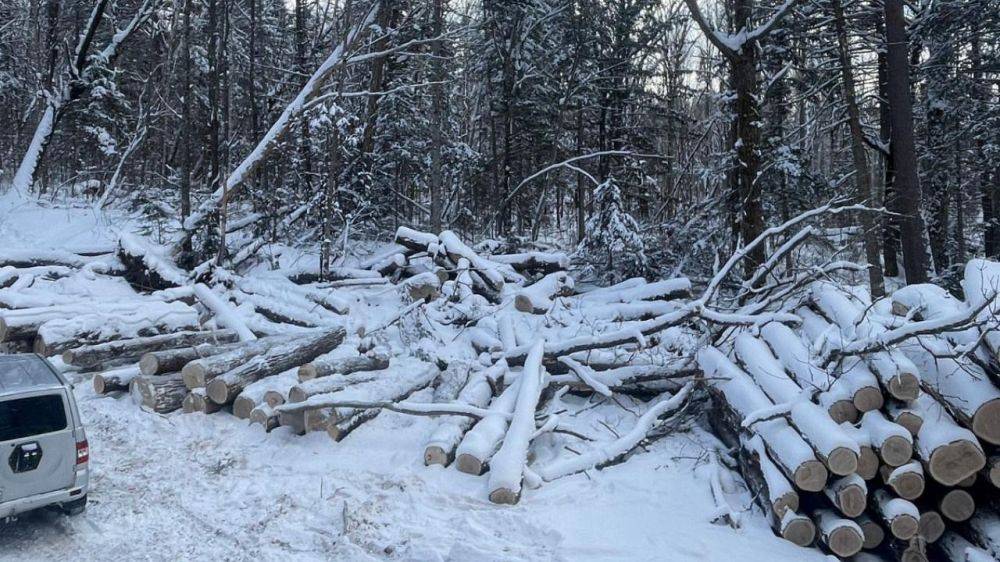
point(869, 426)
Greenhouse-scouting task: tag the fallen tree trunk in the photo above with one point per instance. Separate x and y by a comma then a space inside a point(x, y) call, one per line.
point(93, 356)
point(198, 372)
point(24, 323)
point(224, 313)
point(224, 388)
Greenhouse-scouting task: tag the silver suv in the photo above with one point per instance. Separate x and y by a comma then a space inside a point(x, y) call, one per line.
point(43, 449)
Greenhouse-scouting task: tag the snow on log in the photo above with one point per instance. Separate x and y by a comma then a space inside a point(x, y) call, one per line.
point(834, 446)
point(533, 262)
point(281, 357)
point(477, 392)
point(849, 494)
point(170, 360)
point(224, 313)
point(959, 385)
point(24, 323)
point(739, 398)
point(852, 372)
point(253, 395)
point(537, 297)
point(892, 441)
point(198, 372)
point(93, 356)
point(480, 442)
point(115, 379)
point(23, 259)
point(907, 481)
point(485, 270)
point(868, 461)
point(422, 287)
point(601, 455)
point(905, 416)
point(150, 319)
point(981, 282)
point(842, 536)
point(162, 394)
point(265, 417)
point(901, 516)
point(667, 289)
point(773, 492)
point(508, 464)
point(147, 265)
point(872, 531)
point(958, 549)
point(344, 360)
point(414, 240)
point(951, 452)
point(332, 383)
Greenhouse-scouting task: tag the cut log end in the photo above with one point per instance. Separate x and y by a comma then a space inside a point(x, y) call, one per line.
point(149, 365)
point(905, 386)
point(904, 526)
point(868, 463)
point(789, 501)
point(505, 496)
point(799, 531)
point(842, 461)
point(955, 462)
point(218, 391)
point(307, 372)
point(957, 505)
point(908, 486)
point(868, 399)
point(852, 500)
point(843, 411)
point(811, 476)
point(194, 375)
point(873, 534)
point(986, 422)
point(896, 451)
point(469, 464)
point(242, 407)
point(911, 422)
point(435, 455)
point(274, 398)
point(845, 541)
point(931, 526)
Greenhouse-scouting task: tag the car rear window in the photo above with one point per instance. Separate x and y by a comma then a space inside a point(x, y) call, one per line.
point(35, 415)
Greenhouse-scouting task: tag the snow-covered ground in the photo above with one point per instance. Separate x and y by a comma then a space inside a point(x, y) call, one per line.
point(196, 487)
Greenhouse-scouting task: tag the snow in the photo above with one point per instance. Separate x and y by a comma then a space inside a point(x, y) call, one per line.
point(195, 487)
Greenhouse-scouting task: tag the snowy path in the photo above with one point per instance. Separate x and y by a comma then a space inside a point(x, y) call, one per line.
point(191, 487)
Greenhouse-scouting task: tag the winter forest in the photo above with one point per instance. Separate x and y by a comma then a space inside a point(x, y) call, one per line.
point(727, 267)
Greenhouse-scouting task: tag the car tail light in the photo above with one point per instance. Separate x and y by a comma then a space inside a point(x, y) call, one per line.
point(82, 452)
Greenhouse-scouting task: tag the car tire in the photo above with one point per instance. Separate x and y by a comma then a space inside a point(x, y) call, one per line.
point(75, 507)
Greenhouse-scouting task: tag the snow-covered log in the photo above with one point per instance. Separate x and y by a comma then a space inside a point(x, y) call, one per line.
point(197, 401)
point(907, 480)
point(171, 360)
point(849, 494)
point(147, 266)
point(957, 548)
point(115, 379)
point(94, 356)
point(24, 323)
point(668, 289)
point(477, 392)
point(253, 395)
point(774, 493)
point(508, 464)
point(480, 442)
point(224, 388)
point(40, 258)
point(197, 372)
point(162, 394)
point(851, 372)
point(332, 383)
point(224, 313)
point(738, 398)
point(534, 262)
point(872, 532)
point(485, 270)
point(344, 361)
point(842, 536)
point(833, 445)
point(899, 515)
point(951, 453)
point(891, 441)
point(422, 287)
point(983, 529)
point(868, 461)
point(905, 416)
point(537, 298)
point(151, 318)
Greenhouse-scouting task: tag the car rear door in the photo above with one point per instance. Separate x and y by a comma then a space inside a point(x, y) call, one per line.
point(37, 445)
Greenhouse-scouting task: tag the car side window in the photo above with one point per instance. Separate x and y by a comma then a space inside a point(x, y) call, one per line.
point(34, 415)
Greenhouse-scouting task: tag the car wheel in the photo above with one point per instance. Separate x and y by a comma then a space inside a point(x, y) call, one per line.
point(75, 507)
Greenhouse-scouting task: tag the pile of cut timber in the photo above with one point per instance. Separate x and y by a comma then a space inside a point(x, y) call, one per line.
point(870, 426)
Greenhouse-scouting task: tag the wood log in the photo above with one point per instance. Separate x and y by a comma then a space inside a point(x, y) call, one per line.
point(480, 442)
point(130, 350)
point(991, 472)
point(774, 493)
point(538, 297)
point(912, 550)
point(25, 323)
point(197, 401)
point(899, 515)
point(198, 372)
point(931, 526)
point(264, 416)
point(225, 314)
point(146, 265)
point(508, 464)
point(171, 360)
point(950, 452)
point(115, 380)
point(905, 416)
point(423, 287)
point(738, 398)
point(224, 388)
point(21, 259)
point(852, 373)
point(841, 536)
point(478, 391)
point(891, 441)
point(957, 505)
point(162, 394)
point(832, 444)
point(153, 318)
point(668, 289)
point(849, 494)
point(254, 394)
point(343, 362)
point(868, 461)
point(331, 383)
point(873, 533)
point(907, 481)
